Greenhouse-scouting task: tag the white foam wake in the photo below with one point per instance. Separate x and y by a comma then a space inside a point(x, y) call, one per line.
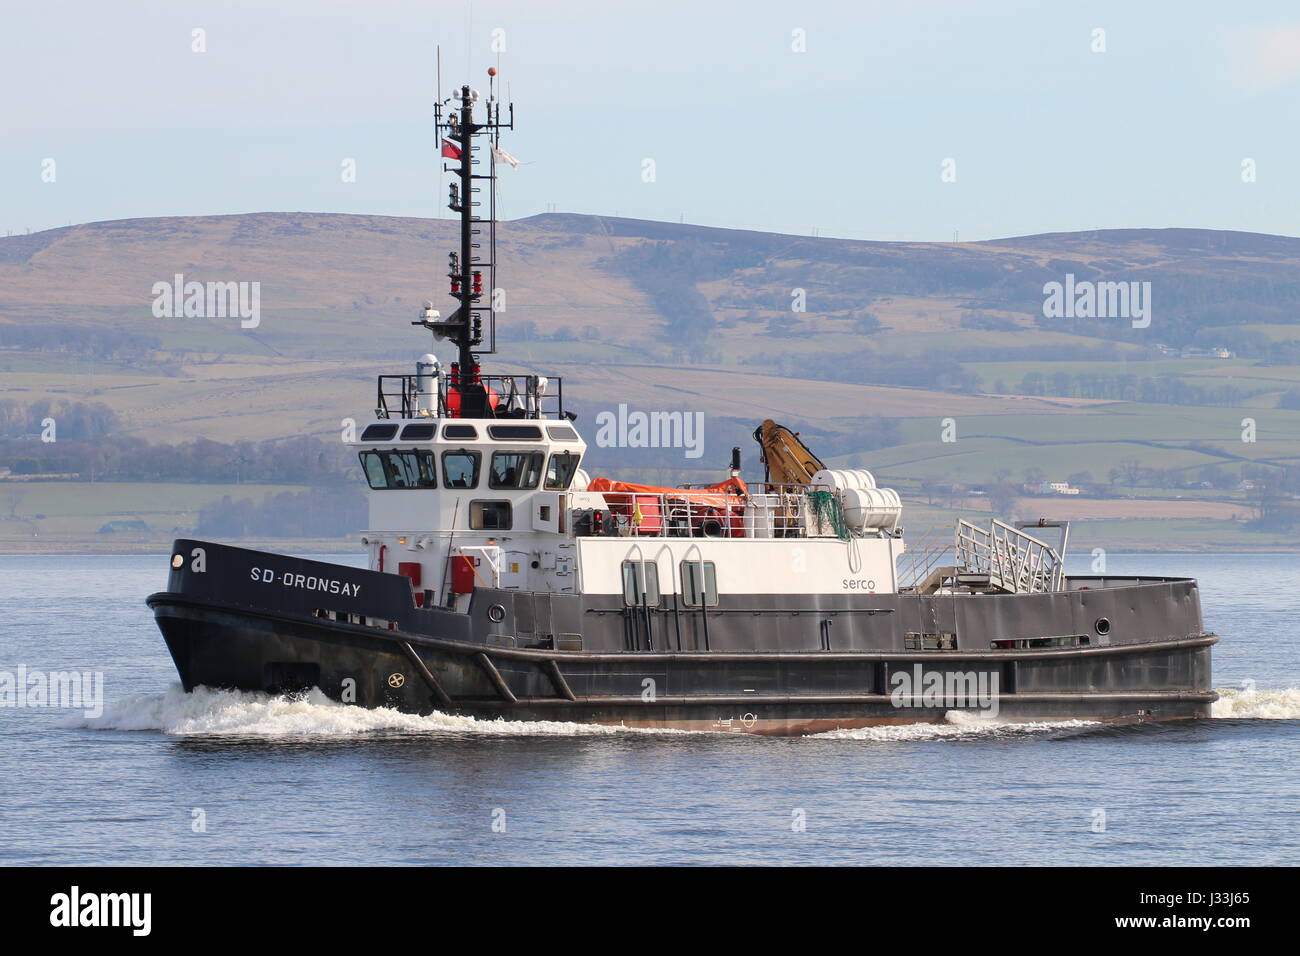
point(958, 724)
point(207, 712)
point(1257, 704)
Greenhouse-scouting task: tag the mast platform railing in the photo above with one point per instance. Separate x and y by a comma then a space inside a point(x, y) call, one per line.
point(508, 397)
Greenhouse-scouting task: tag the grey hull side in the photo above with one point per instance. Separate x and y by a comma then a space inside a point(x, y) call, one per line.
point(795, 692)
point(760, 663)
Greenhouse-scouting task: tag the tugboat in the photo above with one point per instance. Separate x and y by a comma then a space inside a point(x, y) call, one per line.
point(505, 582)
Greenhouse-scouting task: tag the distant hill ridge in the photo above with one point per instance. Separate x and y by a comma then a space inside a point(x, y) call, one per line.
point(637, 283)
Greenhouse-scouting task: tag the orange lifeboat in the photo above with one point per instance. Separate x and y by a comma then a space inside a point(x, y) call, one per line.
point(716, 510)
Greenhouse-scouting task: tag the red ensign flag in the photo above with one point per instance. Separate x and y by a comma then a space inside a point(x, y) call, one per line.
point(450, 150)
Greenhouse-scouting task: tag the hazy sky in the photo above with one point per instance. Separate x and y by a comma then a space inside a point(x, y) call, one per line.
point(848, 138)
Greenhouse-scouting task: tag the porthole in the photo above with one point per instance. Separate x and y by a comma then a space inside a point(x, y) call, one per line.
point(496, 613)
point(1102, 626)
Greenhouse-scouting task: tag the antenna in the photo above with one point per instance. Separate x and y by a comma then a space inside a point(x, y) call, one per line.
point(459, 135)
point(437, 103)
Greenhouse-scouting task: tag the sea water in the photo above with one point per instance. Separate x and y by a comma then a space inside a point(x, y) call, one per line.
point(159, 776)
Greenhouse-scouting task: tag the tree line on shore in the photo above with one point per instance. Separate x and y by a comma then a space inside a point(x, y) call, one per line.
point(298, 460)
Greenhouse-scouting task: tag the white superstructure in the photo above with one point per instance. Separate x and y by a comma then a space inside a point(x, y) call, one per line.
point(507, 501)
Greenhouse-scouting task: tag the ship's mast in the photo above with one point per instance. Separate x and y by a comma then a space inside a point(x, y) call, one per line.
point(472, 269)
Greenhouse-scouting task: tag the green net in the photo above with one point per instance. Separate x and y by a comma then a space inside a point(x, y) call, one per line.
point(827, 510)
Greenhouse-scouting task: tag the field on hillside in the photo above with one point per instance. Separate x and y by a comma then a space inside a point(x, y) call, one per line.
point(926, 362)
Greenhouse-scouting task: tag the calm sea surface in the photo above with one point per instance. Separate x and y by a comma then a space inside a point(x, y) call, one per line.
point(167, 778)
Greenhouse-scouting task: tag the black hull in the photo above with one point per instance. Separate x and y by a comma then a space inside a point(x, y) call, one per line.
point(232, 647)
point(253, 621)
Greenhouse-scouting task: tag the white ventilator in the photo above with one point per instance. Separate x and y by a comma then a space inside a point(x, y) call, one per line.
point(426, 385)
point(537, 395)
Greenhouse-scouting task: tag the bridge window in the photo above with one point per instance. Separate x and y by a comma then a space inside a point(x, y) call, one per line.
point(561, 433)
point(515, 432)
point(379, 432)
point(560, 471)
point(452, 432)
point(490, 515)
point(400, 469)
point(640, 583)
point(515, 469)
point(422, 431)
point(460, 469)
point(699, 584)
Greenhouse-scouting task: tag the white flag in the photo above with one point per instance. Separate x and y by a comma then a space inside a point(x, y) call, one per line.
point(501, 156)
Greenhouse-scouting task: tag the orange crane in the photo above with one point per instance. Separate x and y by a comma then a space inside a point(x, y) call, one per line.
point(786, 459)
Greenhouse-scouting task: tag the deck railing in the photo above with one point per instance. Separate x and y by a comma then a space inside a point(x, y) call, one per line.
point(1014, 561)
point(930, 551)
point(779, 513)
